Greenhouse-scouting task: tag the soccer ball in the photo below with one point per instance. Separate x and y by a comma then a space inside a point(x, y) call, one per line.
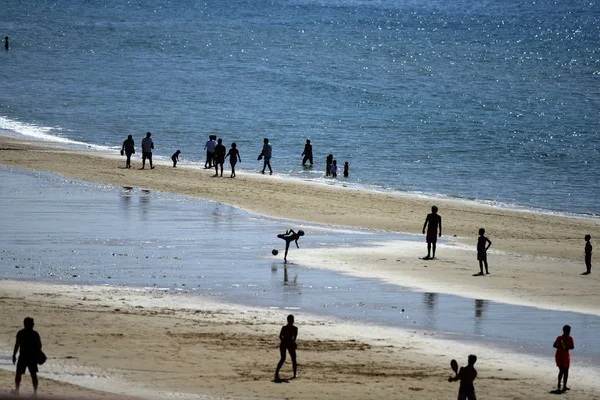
point(275, 252)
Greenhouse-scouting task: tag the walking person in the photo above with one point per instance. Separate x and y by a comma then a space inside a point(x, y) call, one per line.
point(210, 151)
point(266, 156)
point(220, 151)
point(563, 344)
point(234, 157)
point(287, 335)
point(29, 346)
point(432, 222)
point(147, 146)
point(128, 149)
point(307, 153)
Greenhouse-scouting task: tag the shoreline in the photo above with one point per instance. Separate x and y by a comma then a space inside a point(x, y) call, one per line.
point(512, 231)
point(151, 339)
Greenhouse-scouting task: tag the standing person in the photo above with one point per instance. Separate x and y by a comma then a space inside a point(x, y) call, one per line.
point(266, 155)
point(307, 153)
point(588, 255)
point(6, 43)
point(346, 169)
point(175, 158)
point(128, 149)
point(234, 157)
point(563, 344)
point(432, 222)
point(290, 236)
point(210, 151)
point(466, 375)
point(220, 151)
point(147, 146)
point(29, 346)
point(328, 161)
point(482, 251)
point(288, 336)
point(334, 169)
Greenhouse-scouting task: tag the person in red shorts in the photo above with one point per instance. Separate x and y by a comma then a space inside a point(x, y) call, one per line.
point(563, 344)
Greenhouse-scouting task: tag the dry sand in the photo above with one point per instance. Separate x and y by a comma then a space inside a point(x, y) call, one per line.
point(164, 344)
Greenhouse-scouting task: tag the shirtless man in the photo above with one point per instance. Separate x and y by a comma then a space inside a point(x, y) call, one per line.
point(432, 222)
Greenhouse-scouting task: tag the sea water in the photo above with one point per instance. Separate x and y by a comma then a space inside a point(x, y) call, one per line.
point(489, 100)
point(74, 232)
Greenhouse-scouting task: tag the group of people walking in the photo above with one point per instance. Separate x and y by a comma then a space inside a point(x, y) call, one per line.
point(216, 154)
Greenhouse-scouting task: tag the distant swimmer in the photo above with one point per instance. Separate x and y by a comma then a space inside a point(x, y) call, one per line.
point(307, 153)
point(483, 244)
point(220, 151)
point(328, 163)
point(466, 376)
point(588, 255)
point(234, 157)
point(563, 344)
point(287, 335)
point(147, 146)
point(290, 236)
point(346, 169)
point(6, 43)
point(432, 222)
point(266, 155)
point(175, 158)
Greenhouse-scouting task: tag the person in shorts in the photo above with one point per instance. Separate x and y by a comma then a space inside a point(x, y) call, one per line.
point(483, 244)
point(128, 149)
point(29, 346)
point(220, 151)
point(432, 223)
point(147, 146)
point(288, 336)
point(466, 376)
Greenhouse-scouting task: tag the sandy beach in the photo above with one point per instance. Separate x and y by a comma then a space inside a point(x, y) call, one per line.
point(166, 343)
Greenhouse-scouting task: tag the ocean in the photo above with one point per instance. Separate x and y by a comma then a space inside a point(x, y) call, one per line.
point(495, 101)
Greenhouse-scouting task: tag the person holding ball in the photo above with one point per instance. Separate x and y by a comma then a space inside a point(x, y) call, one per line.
point(290, 236)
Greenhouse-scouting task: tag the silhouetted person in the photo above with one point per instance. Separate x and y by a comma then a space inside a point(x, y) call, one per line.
point(466, 375)
point(175, 158)
point(234, 157)
point(563, 344)
point(307, 153)
point(334, 168)
point(266, 156)
point(483, 244)
point(290, 236)
point(6, 43)
point(147, 146)
point(128, 149)
point(328, 161)
point(288, 336)
point(29, 346)
point(220, 151)
point(346, 169)
point(432, 222)
point(588, 255)
point(210, 151)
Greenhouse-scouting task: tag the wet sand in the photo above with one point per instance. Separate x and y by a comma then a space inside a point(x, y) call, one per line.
point(152, 339)
point(168, 343)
